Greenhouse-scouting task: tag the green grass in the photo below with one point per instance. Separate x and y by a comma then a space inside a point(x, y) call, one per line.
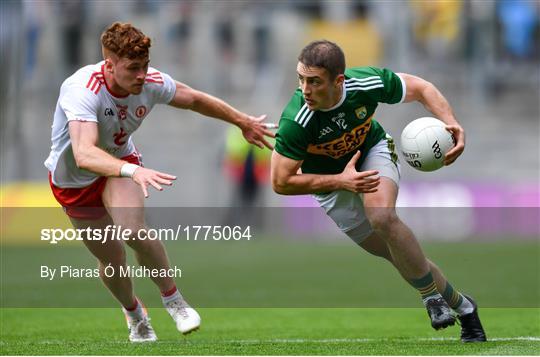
point(275, 298)
point(266, 332)
point(286, 274)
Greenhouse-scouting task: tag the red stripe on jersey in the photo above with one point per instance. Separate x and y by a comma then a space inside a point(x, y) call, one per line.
point(98, 88)
point(95, 82)
point(148, 80)
point(94, 85)
point(154, 75)
point(90, 80)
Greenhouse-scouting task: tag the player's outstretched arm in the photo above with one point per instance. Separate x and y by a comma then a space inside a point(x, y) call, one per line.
point(426, 93)
point(84, 138)
point(253, 128)
point(287, 181)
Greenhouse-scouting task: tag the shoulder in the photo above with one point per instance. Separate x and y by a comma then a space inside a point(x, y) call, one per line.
point(88, 80)
point(379, 84)
point(154, 76)
point(296, 115)
point(81, 90)
point(159, 85)
point(362, 72)
point(295, 106)
point(368, 74)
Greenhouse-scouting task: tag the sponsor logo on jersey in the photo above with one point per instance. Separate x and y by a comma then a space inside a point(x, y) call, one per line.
point(122, 111)
point(343, 145)
point(109, 112)
point(325, 131)
point(361, 112)
point(119, 138)
point(340, 120)
point(140, 111)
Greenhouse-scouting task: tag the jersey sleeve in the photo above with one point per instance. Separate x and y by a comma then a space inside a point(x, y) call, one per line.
point(291, 140)
point(381, 85)
point(79, 103)
point(162, 86)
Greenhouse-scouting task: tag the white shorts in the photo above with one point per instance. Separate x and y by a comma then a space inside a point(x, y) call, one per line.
point(346, 208)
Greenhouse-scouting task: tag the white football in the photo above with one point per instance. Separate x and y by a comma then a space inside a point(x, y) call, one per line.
point(424, 142)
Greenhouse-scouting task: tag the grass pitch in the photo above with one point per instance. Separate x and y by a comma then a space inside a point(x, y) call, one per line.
point(275, 299)
point(330, 331)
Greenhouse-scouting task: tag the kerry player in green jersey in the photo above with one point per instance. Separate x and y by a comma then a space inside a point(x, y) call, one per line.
point(330, 145)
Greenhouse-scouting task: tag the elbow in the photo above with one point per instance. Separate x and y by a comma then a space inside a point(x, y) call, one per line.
point(279, 185)
point(81, 160)
point(279, 189)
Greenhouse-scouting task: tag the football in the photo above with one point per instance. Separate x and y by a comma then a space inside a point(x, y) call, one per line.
point(424, 142)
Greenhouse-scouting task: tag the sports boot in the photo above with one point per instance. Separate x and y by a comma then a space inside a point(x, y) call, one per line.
point(440, 313)
point(471, 327)
point(186, 318)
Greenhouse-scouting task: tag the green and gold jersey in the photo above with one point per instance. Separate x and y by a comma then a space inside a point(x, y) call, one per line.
point(327, 139)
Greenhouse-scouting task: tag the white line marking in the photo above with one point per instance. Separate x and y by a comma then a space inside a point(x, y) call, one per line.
point(308, 340)
point(359, 340)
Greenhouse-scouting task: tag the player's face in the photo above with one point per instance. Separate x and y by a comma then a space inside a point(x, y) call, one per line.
point(129, 74)
point(320, 92)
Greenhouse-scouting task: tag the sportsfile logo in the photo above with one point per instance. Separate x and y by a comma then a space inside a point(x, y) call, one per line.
point(181, 232)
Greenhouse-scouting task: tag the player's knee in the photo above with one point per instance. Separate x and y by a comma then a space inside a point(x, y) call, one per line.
point(109, 268)
point(134, 232)
point(383, 219)
point(141, 241)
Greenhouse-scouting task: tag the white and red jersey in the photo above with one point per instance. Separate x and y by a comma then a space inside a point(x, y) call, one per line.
point(85, 96)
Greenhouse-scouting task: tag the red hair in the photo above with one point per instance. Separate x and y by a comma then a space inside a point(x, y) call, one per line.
point(125, 40)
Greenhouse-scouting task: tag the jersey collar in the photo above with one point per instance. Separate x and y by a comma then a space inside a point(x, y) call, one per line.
point(343, 95)
point(111, 92)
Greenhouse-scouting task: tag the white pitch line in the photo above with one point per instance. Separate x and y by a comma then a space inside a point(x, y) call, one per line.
point(323, 340)
point(360, 340)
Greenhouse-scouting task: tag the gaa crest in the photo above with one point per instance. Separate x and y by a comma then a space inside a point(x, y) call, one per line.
point(141, 111)
point(361, 112)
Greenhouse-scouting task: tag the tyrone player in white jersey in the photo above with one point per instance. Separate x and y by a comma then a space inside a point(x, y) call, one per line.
point(94, 166)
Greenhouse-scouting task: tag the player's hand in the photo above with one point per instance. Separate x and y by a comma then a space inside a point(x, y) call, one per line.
point(147, 177)
point(254, 131)
point(354, 181)
point(459, 139)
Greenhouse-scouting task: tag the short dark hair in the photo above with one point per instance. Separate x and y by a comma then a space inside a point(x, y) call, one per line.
point(324, 54)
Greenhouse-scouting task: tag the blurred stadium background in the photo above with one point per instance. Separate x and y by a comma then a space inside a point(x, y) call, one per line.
point(483, 55)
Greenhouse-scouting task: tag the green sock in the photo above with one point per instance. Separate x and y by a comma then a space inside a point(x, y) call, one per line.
point(426, 286)
point(452, 296)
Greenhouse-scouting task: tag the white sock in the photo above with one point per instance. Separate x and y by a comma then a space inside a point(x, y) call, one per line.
point(465, 308)
point(137, 314)
point(173, 297)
